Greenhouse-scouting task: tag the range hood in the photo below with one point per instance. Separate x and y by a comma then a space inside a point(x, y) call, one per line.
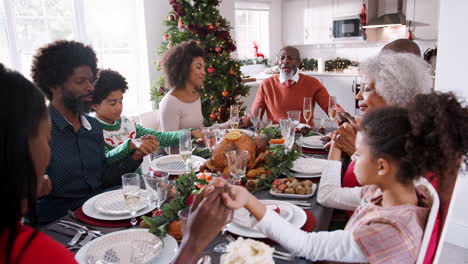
point(390, 14)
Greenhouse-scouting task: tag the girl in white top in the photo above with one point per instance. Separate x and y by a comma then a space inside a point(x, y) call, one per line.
point(184, 71)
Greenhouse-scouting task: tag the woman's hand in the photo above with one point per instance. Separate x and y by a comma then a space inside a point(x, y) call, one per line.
point(345, 138)
point(196, 133)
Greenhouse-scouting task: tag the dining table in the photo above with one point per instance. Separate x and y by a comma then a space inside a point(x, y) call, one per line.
point(321, 214)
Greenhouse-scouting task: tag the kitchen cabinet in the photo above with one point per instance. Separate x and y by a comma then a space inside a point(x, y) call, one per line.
point(343, 88)
point(318, 21)
point(346, 8)
point(424, 16)
point(293, 22)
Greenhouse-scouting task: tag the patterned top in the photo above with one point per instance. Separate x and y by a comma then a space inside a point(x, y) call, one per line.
point(118, 135)
point(388, 235)
point(78, 167)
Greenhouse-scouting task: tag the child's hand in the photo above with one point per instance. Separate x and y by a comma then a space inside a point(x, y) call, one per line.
point(236, 197)
point(137, 155)
point(148, 146)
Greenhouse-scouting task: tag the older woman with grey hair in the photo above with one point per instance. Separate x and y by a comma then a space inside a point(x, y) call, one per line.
point(388, 79)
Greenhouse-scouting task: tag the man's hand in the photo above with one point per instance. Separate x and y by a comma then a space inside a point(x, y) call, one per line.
point(44, 187)
point(144, 146)
point(245, 121)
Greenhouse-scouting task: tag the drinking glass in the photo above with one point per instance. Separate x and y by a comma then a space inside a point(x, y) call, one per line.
point(237, 162)
point(255, 117)
point(288, 130)
point(183, 215)
point(332, 108)
point(221, 248)
point(156, 183)
point(265, 123)
point(234, 116)
point(185, 147)
point(295, 116)
point(285, 124)
point(131, 193)
point(307, 109)
point(209, 136)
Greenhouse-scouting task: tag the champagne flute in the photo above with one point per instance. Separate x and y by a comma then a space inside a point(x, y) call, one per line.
point(234, 116)
point(209, 136)
point(307, 109)
point(332, 108)
point(156, 184)
point(295, 116)
point(131, 193)
point(185, 147)
point(255, 117)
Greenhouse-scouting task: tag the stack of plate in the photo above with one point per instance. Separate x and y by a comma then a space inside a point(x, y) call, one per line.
point(173, 164)
point(308, 167)
point(129, 246)
point(111, 206)
point(242, 221)
point(312, 142)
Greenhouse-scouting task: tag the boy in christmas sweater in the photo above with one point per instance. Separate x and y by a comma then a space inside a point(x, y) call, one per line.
point(120, 133)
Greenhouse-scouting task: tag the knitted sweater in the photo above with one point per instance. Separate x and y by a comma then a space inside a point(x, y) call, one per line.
point(118, 135)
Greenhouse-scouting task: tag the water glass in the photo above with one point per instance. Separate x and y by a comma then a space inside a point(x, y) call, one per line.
point(185, 147)
point(234, 116)
point(209, 136)
point(156, 183)
point(295, 116)
point(255, 117)
point(237, 162)
point(131, 193)
point(183, 215)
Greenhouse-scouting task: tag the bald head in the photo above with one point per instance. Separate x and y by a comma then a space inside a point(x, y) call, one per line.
point(403, 45)
point(292, 51)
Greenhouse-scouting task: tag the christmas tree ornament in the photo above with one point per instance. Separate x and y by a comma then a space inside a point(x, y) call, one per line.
point(218, 49)
point(213, 116)
point(211, 69)
point(232, 72)
point(180, 23)
point(166, 36)
point(211, 27)
point(171, 18)
point(225, 93)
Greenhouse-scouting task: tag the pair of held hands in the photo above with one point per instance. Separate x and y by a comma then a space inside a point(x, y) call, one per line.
point(345, 137)
point(143, 146)
point(210, 211)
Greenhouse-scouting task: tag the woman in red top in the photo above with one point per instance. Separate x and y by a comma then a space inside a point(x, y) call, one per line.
point(25, 153)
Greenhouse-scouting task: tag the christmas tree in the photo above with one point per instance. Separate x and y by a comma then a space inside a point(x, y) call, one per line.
point(199, 20)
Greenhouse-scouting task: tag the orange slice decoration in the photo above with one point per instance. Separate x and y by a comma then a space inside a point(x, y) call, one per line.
point(233, 135)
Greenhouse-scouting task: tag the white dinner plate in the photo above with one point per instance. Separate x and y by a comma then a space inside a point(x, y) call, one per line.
point(295, 196)
point(306, 175)
point(312, 142)
point(244, 218)
point(91, 211)
point(113, 202)
point(118, 247)
point(309, 165)
point(299, 218)
point(174, 164)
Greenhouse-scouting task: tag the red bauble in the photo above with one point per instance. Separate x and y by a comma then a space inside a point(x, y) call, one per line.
point(232, 72)
point(211, 27)
point(218, 49)
point(225, 93)
point(211, 69)
point(166, 36)
point(222, 109)
point(213, 116)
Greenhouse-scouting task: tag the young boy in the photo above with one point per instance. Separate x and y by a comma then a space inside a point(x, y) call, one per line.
point(122, 135)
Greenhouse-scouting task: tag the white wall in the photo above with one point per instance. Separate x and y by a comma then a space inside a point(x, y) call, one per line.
point(276, 36)
point(450, 77)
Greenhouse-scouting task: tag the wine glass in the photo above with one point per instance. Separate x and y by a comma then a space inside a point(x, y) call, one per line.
point(332, 108)
point(209, 136)
point(255, 117)
point(156, 184)
point(131, 193)
point(295, 116)
point(185, 147)
point(237, 162)
point(221, 248)
point(234, 116)
point(288, 130)
point(307, 109)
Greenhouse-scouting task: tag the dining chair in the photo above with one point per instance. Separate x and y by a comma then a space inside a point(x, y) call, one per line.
point(431, 219)
point(150, 120)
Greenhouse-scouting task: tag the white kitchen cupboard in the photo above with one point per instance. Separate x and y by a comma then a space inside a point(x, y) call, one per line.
point(293, 22)
point(346, 8)
point(343, 88)
point(318, 21)
point(424, 15)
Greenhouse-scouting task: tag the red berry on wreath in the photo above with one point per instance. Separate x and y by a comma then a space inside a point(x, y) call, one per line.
point(211, 69)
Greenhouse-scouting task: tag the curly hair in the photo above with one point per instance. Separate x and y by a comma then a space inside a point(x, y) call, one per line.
point(55, 62)
point(398, 77)
point(177, 60)
point(108, 81)
point(428, 136)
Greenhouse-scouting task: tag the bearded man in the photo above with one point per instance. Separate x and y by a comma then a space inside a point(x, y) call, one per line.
point(285, 92)
point(65, 71)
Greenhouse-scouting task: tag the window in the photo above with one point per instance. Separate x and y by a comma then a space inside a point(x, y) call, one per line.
point(28, 25)
point(252, 20)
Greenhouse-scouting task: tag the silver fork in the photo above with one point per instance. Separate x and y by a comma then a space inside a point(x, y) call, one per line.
point(76, 238)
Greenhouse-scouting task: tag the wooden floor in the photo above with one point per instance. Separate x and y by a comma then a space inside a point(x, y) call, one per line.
point(453, 254)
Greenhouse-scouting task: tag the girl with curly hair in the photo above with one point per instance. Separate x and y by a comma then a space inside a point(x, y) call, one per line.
point(394, 147)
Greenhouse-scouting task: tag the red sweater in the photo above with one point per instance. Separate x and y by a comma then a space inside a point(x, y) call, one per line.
point(277, 99)
point(42, 248)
